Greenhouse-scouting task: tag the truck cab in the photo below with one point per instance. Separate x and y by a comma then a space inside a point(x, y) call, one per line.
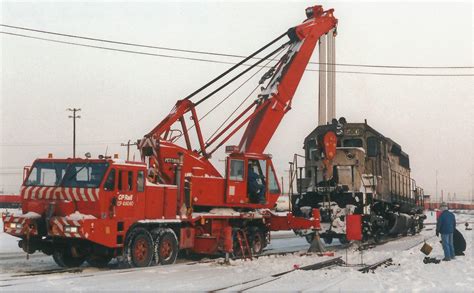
point(87, 203)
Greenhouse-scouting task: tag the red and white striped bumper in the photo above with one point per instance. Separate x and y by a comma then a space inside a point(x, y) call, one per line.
point(19, 226)
point(62, 227)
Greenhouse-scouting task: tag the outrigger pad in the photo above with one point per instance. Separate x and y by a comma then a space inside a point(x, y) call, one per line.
point(316, 245)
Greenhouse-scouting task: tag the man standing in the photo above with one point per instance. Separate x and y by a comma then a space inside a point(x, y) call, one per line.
point(255, 189)
point(446, 225)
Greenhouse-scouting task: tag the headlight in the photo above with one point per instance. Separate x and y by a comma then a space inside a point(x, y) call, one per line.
point(16, 225)
point(70, 229)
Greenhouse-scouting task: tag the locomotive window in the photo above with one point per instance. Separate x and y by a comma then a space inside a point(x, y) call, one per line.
point(353, 143)
point(140, 181)
point(110, 182)
point(372, 146)
point(237, 170)
point(312, 149)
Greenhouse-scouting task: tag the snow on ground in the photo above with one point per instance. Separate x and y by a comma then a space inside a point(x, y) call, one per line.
point(408, 272)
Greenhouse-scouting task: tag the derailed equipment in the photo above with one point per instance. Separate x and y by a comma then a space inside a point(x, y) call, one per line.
point(350, 168)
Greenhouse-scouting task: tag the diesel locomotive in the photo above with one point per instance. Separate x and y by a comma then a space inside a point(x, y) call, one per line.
point(351, 168)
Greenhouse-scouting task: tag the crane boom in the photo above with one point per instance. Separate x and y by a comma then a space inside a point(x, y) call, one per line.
point(282, 87)
point(261, 118)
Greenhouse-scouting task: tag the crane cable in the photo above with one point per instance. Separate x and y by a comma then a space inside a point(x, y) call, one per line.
point(228, 96)
point(227, 62)
point(240, 105)
point(219, 54)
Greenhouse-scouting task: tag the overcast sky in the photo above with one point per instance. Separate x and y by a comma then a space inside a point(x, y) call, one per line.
point(123, 96)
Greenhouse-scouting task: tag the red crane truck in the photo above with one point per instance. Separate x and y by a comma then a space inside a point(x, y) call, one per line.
point(145, 212)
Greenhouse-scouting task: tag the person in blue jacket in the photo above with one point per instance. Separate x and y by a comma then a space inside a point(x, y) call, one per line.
point(255, 189)
point(445, 226)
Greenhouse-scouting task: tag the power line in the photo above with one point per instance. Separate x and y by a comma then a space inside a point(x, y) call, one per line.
point(220, 54)
point(216, 61)
point(57, 144)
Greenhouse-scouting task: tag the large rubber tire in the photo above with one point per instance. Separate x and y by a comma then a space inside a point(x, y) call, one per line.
point(257, 241)
point(167, 247)
point(64, 258)
point(139, 249)
point(98, 261)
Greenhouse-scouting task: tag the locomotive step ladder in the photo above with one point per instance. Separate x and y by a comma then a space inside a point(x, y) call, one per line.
point(244, 245)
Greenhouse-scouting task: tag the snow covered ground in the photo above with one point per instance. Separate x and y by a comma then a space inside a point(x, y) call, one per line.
point(408, 272)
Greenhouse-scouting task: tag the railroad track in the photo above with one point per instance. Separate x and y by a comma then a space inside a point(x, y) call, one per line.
point(257, 282)
point(372, 267)
point(113, 269)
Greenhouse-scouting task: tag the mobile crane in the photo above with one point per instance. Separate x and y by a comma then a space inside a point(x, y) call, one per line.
point(144, 212)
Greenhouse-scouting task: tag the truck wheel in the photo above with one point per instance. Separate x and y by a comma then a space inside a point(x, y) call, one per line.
point(257, 239)
point(139, 248)
point(98, 261)
point(64, 258)
point(167, 247)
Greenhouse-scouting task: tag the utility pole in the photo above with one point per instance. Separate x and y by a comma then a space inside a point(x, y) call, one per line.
point(128, 144)
point(74, 116)
point(436, 194)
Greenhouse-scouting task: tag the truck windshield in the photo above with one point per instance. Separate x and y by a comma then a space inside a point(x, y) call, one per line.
point(46, 174)
point(68, 175)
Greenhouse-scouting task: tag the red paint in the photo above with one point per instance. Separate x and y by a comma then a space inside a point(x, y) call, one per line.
point(169, 200)
point(354, 227)
point(10, 198)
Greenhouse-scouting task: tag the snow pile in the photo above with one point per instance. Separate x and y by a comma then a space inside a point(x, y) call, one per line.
point(76, 216)
point(407, 273)
point(31, 215)
point(224, 212)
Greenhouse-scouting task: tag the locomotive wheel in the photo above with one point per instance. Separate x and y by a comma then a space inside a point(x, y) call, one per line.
point(98, 261)
point(343, 239)
point(167, 247)
point(327, 239)
point(257, 241)
point(139, 248)
point(64, 258)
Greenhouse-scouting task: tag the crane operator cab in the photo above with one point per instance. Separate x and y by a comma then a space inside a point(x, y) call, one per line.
point(256, 182)
point(251, 180)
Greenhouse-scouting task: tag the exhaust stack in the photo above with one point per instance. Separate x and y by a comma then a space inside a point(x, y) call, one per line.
point(327, 78)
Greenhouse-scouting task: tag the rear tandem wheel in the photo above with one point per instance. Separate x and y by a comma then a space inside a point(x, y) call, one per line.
point(166, 244)
point(139, 248)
